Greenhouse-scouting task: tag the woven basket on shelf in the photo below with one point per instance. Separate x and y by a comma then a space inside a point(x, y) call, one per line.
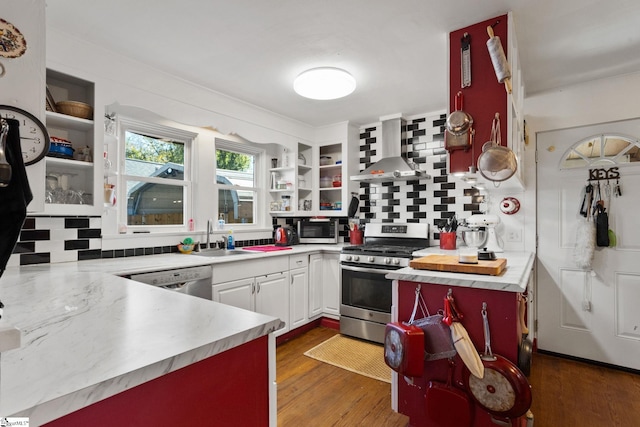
point(75, 109)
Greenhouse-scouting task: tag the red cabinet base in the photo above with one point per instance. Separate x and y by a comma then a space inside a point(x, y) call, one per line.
point(229, 389)
point(505, 331)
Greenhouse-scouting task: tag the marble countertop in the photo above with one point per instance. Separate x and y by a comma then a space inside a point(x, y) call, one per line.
point(88, 334)
point(514, 278)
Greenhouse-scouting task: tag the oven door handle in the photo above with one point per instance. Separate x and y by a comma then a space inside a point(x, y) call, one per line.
point(366, 269)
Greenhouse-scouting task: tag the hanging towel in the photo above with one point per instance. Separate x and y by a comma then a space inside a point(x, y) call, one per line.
point(15, 197)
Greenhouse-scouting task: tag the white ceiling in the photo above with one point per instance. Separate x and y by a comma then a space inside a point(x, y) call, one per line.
point(397, 50)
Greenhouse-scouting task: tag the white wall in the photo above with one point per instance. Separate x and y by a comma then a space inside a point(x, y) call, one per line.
point(598, 101)
point(129, 83)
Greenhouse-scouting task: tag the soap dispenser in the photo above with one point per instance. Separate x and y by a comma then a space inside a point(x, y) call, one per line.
point(230, 244)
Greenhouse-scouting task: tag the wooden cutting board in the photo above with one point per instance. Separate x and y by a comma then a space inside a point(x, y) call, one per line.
point(450, 263)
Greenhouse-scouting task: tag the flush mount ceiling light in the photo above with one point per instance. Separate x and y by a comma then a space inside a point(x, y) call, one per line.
point(324, 83)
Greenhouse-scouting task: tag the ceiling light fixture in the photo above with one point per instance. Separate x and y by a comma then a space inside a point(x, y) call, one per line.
point(324, 83)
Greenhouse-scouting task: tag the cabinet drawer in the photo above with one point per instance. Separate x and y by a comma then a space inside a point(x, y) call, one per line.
point(298, 261)
point(237, 270)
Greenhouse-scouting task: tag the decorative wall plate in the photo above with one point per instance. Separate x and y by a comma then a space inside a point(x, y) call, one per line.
point(12, 42)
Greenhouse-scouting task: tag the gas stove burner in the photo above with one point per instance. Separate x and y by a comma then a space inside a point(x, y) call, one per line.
point(394, 240)
point(390, 250)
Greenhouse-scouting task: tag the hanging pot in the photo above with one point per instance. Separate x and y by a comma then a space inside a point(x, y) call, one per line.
point(458, 121)
point(504, 390)
point(496, 163)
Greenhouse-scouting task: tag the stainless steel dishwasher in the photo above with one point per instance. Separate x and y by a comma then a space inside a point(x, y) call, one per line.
point(194, 281)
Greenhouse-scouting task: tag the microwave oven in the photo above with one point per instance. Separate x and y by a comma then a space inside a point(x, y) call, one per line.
point(318, 230)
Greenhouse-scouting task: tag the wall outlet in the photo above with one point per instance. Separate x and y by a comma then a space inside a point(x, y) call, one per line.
point(514, 235)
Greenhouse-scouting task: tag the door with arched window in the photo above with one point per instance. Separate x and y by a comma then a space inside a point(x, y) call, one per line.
point(589, 311)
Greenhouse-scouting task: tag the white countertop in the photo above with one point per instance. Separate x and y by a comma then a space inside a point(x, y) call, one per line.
point(513, 279)
point(88, 334)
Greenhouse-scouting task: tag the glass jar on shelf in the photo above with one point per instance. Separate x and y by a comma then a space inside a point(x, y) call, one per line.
point(285, 204)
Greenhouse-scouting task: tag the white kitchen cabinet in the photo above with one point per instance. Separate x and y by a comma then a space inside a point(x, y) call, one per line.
point(73, 183)
point(298, 294)
point(272, 297)
point(260, 285)
point(331, 284)
point(315, 285)
point(237, 293)
point(296, 288)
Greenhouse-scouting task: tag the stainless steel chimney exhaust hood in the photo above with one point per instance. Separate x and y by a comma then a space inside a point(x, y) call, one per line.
point(393, 147)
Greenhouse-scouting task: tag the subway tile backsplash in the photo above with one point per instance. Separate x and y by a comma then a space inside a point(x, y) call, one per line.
point(57, 239)
point(425, 200)
point(65, 239)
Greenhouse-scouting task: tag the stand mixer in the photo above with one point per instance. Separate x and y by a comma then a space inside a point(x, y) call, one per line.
point(493, 243)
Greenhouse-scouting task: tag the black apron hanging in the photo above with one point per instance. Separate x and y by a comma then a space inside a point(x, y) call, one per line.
point(14, 197)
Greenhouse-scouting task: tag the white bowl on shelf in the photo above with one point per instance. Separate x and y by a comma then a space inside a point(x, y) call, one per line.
point(325, 160)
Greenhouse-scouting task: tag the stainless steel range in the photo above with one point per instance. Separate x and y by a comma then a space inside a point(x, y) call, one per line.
point(365, 306)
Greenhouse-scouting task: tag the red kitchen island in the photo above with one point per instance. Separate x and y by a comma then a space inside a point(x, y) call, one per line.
point(101, 350)
point(428, 400)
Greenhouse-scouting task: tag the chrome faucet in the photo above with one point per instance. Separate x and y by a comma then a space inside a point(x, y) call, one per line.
point(209, 231)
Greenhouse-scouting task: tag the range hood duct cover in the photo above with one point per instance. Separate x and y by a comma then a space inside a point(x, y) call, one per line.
point(393, 147)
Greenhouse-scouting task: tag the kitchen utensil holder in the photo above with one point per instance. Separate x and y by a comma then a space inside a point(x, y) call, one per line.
point(448, 240)
point(355, 237)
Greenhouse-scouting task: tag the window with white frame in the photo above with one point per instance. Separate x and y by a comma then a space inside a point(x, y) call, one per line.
point(237, 169)
point(155, 175)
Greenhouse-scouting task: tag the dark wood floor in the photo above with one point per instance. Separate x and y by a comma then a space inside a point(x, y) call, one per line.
point(565, 393)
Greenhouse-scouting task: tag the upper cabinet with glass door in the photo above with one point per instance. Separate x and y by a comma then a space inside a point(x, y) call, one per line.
point(72, 177)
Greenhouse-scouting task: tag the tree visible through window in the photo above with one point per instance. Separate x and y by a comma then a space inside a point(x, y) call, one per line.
point(154, 175)
point(235, 179)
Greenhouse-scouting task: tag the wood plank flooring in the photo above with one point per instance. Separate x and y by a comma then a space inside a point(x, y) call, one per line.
point(565, 393)
point(574, 394)
point(316, 394)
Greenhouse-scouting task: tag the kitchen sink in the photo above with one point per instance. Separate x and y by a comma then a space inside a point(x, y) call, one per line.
point(219, 252)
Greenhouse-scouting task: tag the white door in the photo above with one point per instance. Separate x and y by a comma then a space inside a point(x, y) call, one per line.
point(592, 314)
